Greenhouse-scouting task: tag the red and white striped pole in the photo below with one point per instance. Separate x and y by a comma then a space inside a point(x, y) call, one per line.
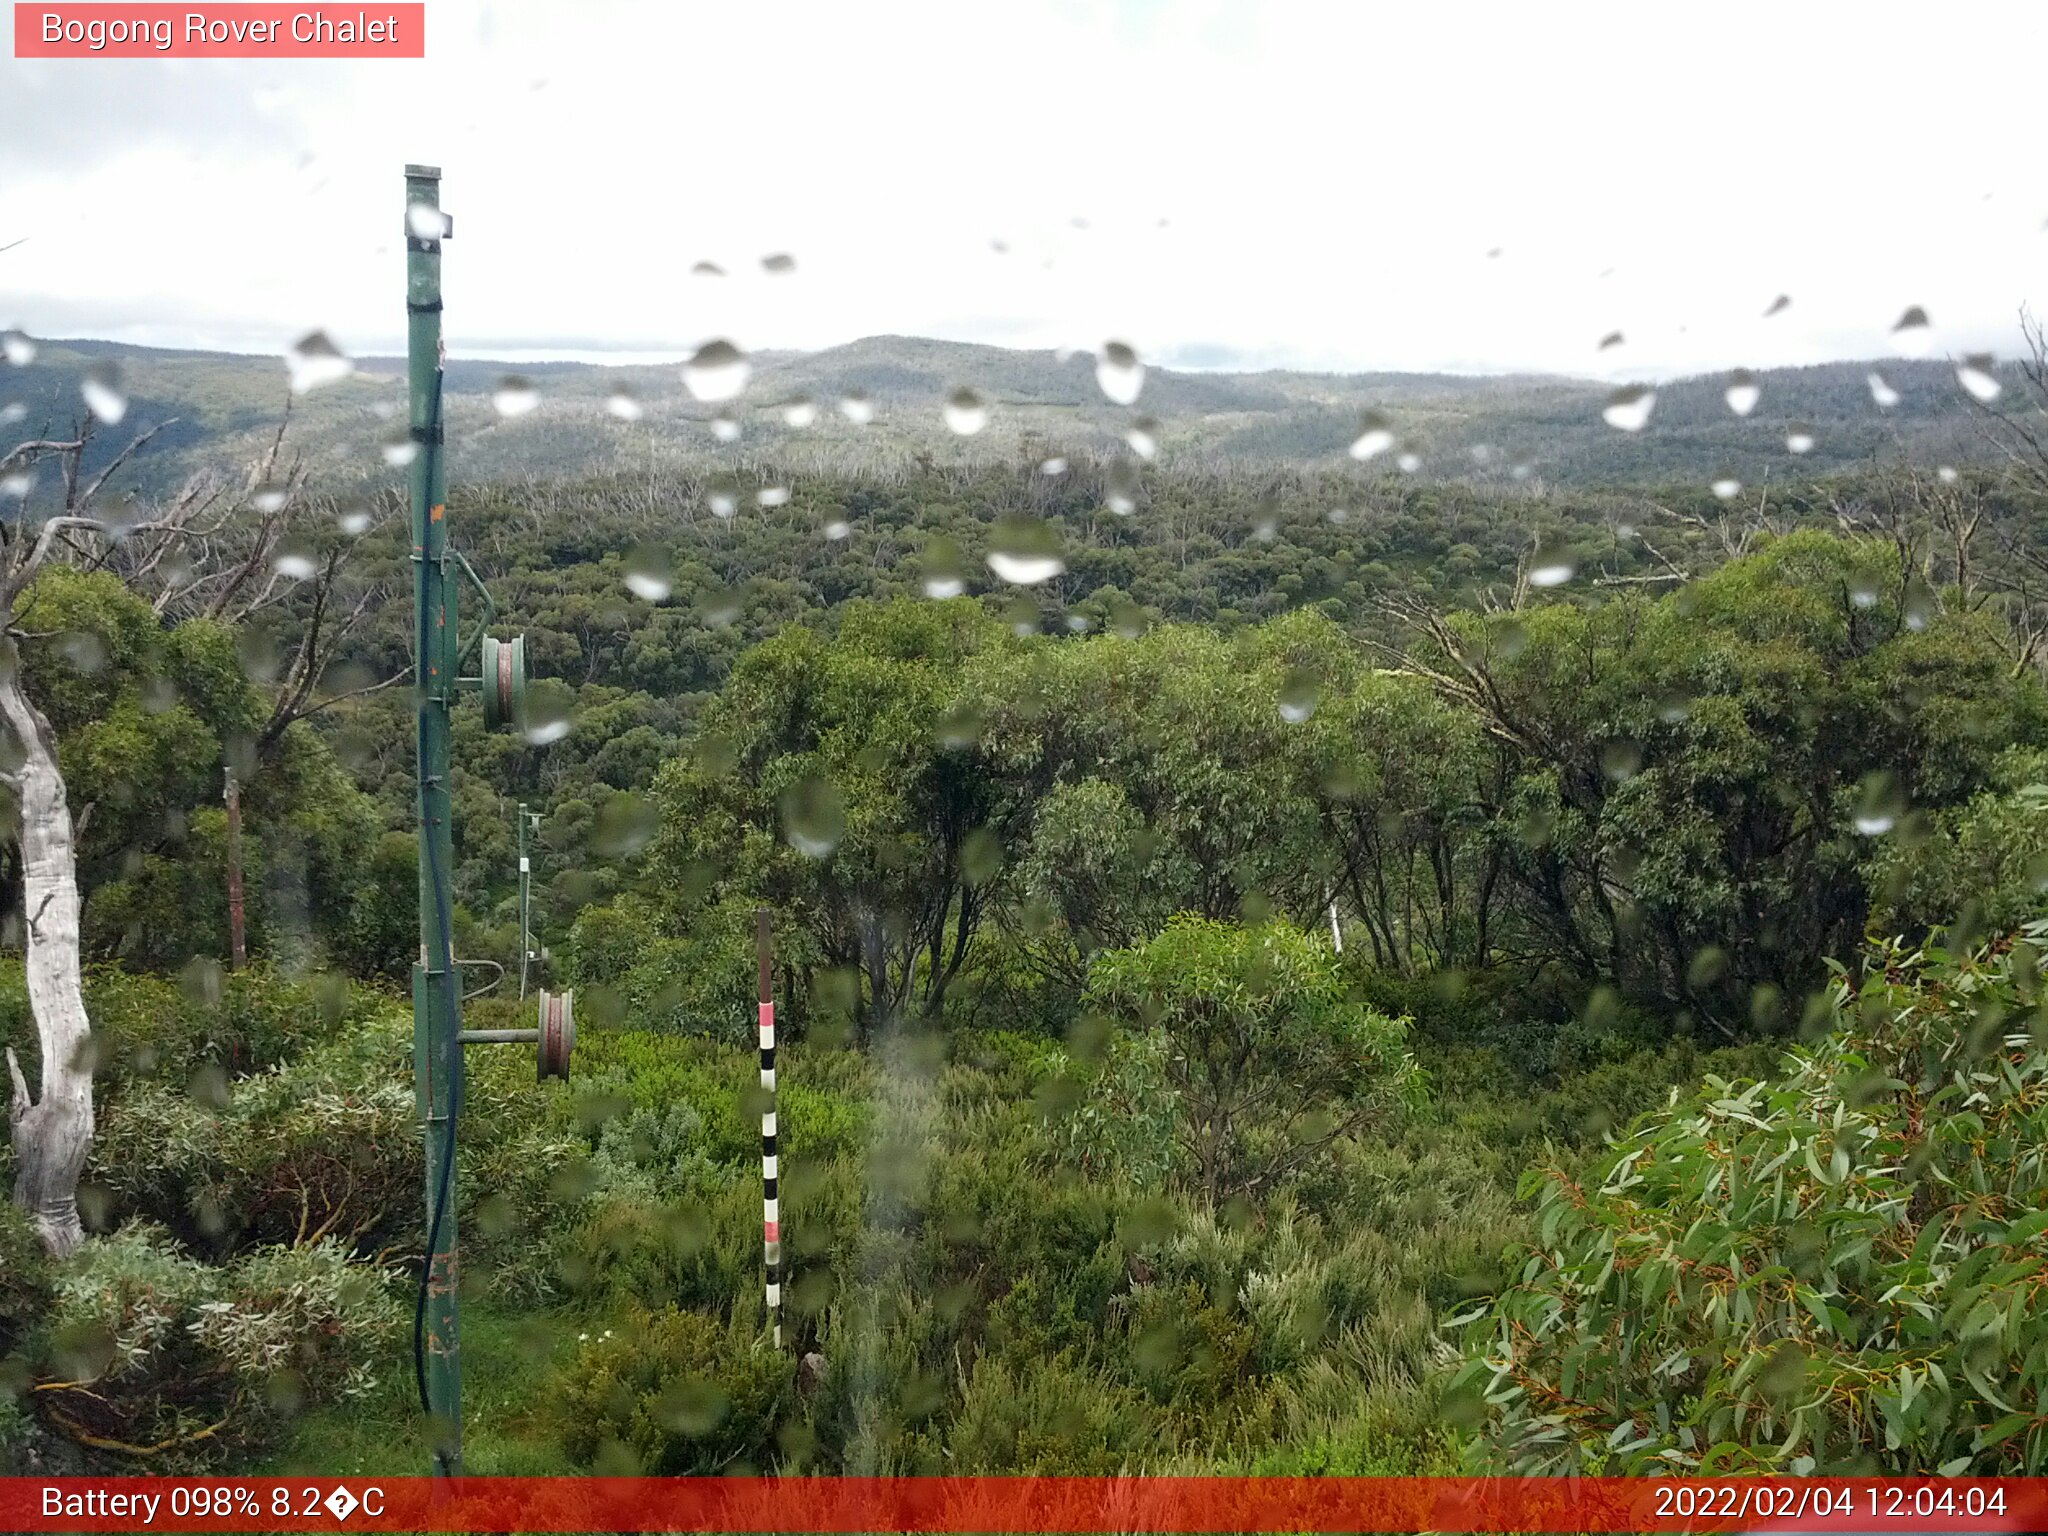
point(771, 1204)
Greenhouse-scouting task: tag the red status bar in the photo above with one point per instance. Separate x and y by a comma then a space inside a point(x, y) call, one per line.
point(997, 1504)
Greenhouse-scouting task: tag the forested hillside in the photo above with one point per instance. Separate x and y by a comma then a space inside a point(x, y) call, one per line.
point(874, 407)
point(1284, 965)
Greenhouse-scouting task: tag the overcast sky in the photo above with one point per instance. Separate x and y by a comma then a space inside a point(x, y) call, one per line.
point(1222, 184)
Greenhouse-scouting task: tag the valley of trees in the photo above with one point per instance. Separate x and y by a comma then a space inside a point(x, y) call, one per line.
point(1347, 974)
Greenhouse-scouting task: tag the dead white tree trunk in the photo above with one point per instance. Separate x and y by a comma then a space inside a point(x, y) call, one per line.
point(51, 1132)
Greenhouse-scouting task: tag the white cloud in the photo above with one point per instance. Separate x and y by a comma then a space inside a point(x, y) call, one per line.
point(1332, 176)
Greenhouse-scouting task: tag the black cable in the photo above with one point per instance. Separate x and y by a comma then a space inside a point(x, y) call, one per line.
point(444, 907)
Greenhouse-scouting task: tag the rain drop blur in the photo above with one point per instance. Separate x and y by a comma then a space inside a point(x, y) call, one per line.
point(717, 371)
point(781, 264)
point(1025, 552)
point(1120, 488)
point(1975, 375)
point(1052, 466)
point(945, 569)
point(1799, 440)
point(724, 428)
point(1143, 436)
point(1743, 392)
point(1551, 566)
point(1885, 396)
point(1299, 695)
point(771, 496)
point(621, 405)
point(1628, 409)
point(295, 560)
point(649, 574)
point(966, 412)
point(315, 361)
point(813, 818)
point(1119, 373)
point(800, 412)
point(17, 347)
point(857, 408)
point(1373, 437)
point(1727, 487)
point(104, 396)
point(1879, 804)
point(515, 396)
point(1913, 335)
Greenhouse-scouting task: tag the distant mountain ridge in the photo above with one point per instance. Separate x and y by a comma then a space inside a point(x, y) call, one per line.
point(1547, 429)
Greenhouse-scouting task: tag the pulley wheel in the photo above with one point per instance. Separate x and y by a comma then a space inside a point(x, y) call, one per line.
point(557, 1034)
point(503, 664)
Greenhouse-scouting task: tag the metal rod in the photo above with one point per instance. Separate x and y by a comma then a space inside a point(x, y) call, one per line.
point(238, 950)
point(497, 1036)
point(771, 1203)
point(437, 1062)
point(525, 928)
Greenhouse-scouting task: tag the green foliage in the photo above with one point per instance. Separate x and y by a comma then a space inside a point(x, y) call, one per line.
point(1267, 1055)
point(164, 1353)
point(1978, 868)
point(675, 1393)
point(1831, 1270)
point(24, 1284)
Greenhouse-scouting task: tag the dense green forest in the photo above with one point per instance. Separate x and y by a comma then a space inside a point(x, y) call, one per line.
point(1334, 973)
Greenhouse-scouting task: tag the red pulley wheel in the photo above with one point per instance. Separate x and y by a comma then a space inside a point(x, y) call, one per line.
point(557, 1034)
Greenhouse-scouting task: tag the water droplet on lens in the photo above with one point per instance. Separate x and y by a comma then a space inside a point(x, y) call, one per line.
point(423, 221)
point(1628, 409)
point(707, 269)
point(649, 573)
point(103, 394)
point(1024, 552)
point(626, 825)
point(813, 818)
point(1946, 474)
point(17, 485)
point(515, 395)
point(781, 264)
point(724, 428)
point(1621, 760)
point(717, 371)
point(1880, 802)
point(1799, 440)
point(722, 496)
point(399, 449)
point(17, 347)
point(315, 361)
point(354, 521)
point(857, 408)
point(1611, 339)
point(1885, 396)
point(268, 498)
point(1551, 566)
point(1863, 592)
point(770, 496)
point(966, 412)
point(837, 529)
point(1913, 334)
point(1119, 373)
point(295, 559)
point(12, 412)
point(1674, 705)
point(623, 406)
point(1743, 392)
point(1052, 466)
point(1373, 437)
point(1125, 618)
point(1408, 463)
point(1779, 305)
point(1299, 694)
point(945, 568)
point(1143, 436)
point(1120, 488)
point(1727, 487)
point(1975, 375)
point(800, 412)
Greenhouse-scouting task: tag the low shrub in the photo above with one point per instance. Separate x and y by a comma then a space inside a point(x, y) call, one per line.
point(674, 1393)
point(155, 1351)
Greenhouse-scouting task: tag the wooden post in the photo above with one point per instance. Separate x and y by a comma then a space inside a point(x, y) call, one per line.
point(238, 953)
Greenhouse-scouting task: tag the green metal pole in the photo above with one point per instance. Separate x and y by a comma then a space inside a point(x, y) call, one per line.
point(437, 1058)
point(525, 928)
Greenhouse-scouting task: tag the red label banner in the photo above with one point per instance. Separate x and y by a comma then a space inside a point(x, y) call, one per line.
point(997, 1504)
point(372, 30)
